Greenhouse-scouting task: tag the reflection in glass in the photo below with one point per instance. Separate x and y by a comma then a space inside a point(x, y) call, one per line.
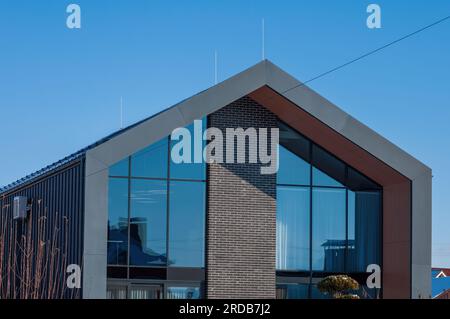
point(292, 242)
point(292, 170)
point(364, 223)
point(317, 294)
point(322, 179)
point(146, 292)
point(118, 221)
point(187, 224)
point(292, 291)
point(151, 161)
point(116, 292)
point(329, 171)
point(183, 293)
point(191, 170)
point(120, 168)
point(329, 239)
point(148, 222)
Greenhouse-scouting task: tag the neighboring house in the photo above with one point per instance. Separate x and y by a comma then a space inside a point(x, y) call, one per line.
point(440, 283)
point(143, 226)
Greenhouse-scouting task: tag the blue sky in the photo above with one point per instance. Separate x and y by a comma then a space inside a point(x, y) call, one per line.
point(60, 88)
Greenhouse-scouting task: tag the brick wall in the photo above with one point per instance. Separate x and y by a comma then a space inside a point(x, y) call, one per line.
point(241, 215)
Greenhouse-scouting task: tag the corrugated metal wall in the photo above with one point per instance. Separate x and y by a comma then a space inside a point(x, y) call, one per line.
point(34, 253)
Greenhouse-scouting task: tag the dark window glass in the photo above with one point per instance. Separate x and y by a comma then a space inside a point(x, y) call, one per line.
point(292, 169)
point(292, 291)
point(293, 216)
point(364, 224)
point(187, 224)
point(148, 222)
point(183, 292)
point(328, 171)
point(120, 168)
point(329, 240)
point(322, 179)
point(190, 170)
point(151, 161)
point(317, 294)
point(118, 221)
point(294, 142)
point(358, 182)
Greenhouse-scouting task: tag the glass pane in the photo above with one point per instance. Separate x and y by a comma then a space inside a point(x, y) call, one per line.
point(316, 294)
point(148, 222)
point(330, 171)
point(183, 293)
point(322, 179)
point(146, 292)
point(292, 291)
point(151, 161)
point(293, 141)
point(187, 224)
point(293, 217)
point(196, 171)
point(358, 182)
point(118, 221)
point(329, 240)
point(292, 170)
point(116, 292)
point(364, 223)
point(120, 168)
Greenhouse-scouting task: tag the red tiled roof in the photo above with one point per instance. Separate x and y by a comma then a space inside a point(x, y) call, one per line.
point(446, 271)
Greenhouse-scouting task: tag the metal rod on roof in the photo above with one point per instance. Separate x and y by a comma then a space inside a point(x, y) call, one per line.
point(263, 53)
point(121, 113)
point(215, 67)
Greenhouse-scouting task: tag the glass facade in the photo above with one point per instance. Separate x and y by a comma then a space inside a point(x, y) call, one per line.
point(328, 220)
point(328, 217)
point(156, 221)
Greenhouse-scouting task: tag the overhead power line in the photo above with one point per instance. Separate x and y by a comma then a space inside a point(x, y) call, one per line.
point(368, 54)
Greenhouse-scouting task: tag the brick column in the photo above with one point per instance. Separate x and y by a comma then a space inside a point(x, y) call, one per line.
point(241, 215)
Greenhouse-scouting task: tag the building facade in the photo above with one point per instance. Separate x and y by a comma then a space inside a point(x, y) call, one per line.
point(143, 226)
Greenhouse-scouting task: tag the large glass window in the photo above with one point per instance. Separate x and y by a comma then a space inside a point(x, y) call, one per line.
point(156, 222)
point(118, 221)
point(293, 228)
point(364, 229)
point(120, 168)
point(329, 241)
point(193, 170)
point(151, 161)
point(328, 216)
point(148, 222)
point(187, 224)
point(294, 171)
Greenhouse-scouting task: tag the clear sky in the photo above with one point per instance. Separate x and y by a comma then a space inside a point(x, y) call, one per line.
point(60, 89)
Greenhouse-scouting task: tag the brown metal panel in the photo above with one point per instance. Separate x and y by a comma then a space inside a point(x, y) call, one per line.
point(396, 267)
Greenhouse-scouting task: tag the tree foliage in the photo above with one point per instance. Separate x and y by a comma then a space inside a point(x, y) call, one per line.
point(338, 286)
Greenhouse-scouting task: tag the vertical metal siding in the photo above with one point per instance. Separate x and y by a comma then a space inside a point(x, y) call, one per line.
point(58, 196)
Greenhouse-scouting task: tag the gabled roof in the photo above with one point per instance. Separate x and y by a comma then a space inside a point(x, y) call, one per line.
point(263, 74)
point(71, 158)
point(440, 272)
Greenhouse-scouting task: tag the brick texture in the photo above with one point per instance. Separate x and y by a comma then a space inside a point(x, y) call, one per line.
point(241, 215)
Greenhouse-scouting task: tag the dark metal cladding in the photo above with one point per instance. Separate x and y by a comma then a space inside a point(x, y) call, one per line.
point(55, 221)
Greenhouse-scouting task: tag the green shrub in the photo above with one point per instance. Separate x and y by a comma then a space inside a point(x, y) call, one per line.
point(338, 285)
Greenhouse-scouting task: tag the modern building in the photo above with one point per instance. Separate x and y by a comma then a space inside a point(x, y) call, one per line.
point(142, 226)
point(440, 283)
